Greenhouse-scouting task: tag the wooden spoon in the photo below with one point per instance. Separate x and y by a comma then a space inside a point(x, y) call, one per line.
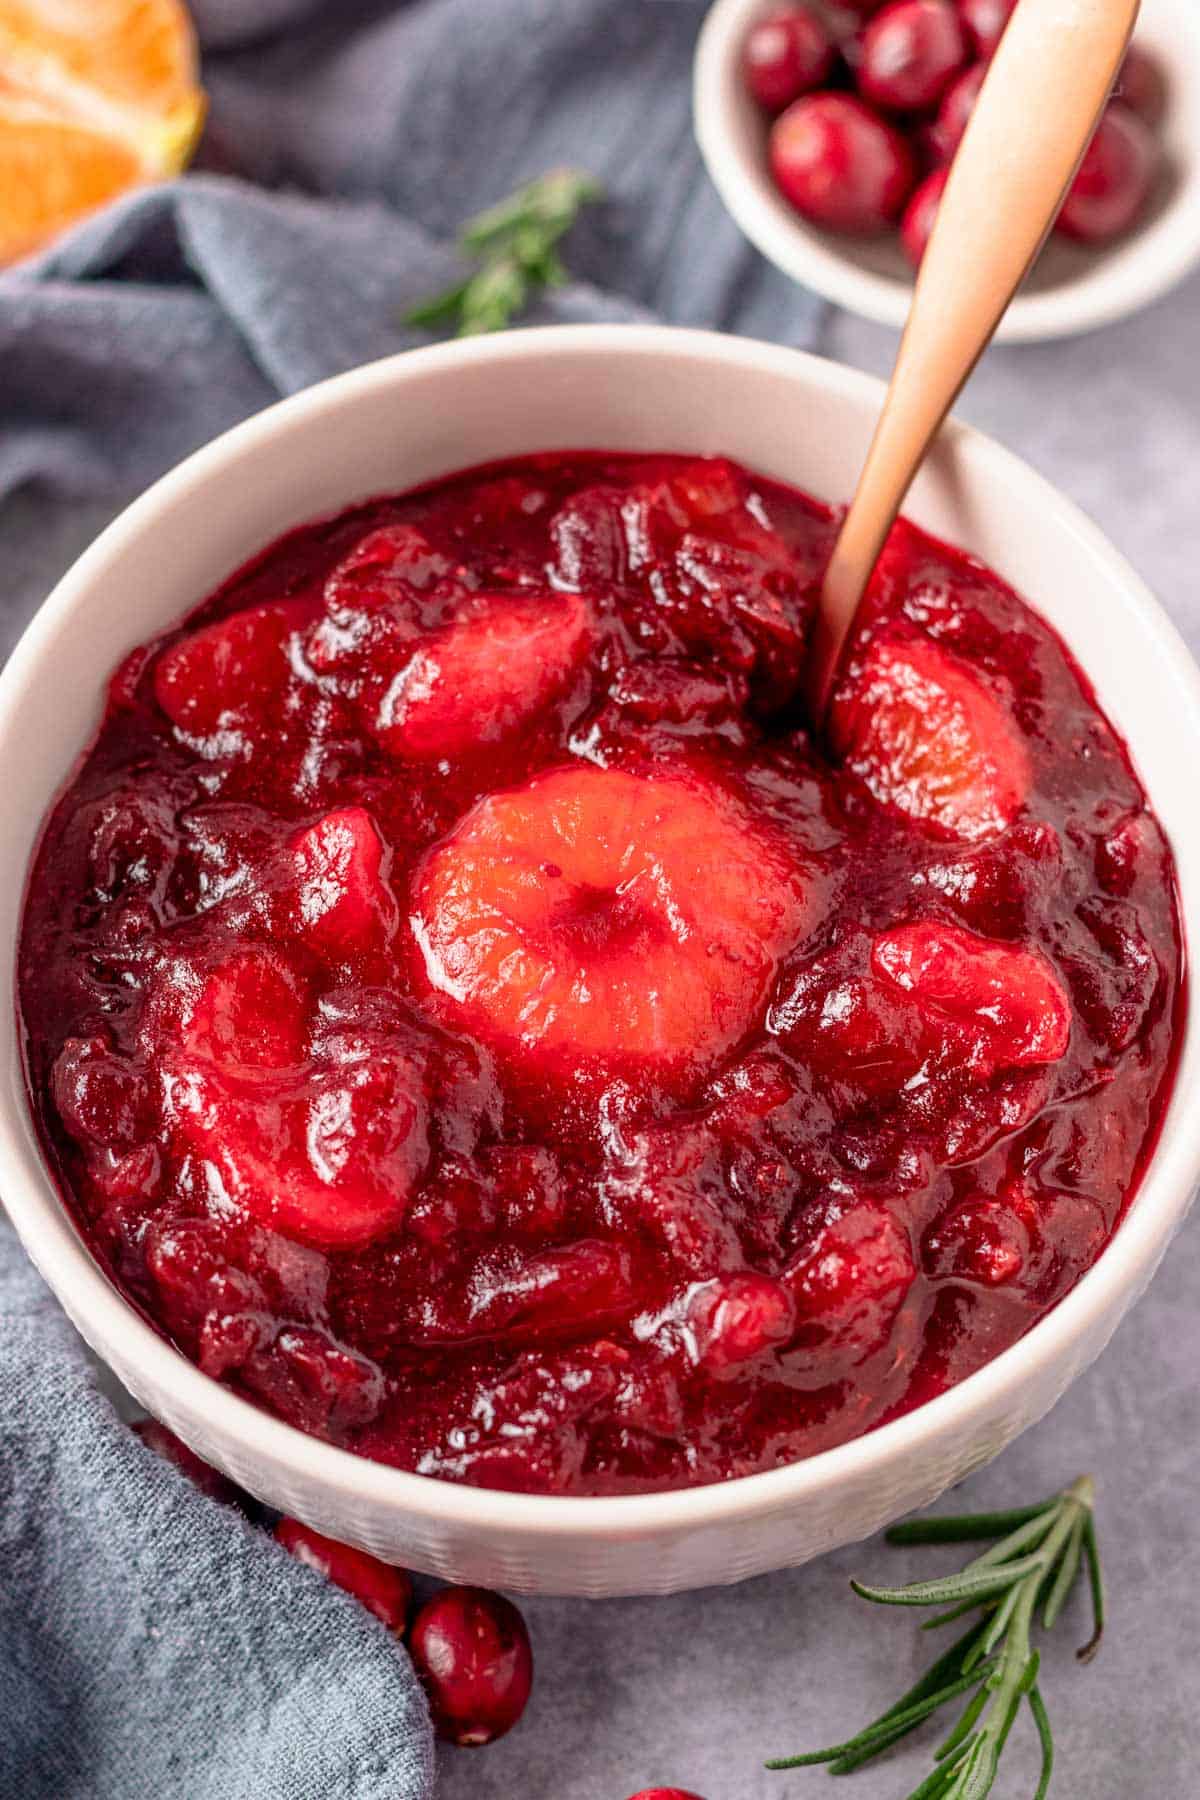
point(1047, 85)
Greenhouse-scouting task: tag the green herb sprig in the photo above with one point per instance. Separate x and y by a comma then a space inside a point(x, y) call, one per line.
point(1031, 1569)
point(516, 246)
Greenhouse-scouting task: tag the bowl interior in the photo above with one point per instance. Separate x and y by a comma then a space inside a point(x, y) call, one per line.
point(409, 420)
point(1072, 288)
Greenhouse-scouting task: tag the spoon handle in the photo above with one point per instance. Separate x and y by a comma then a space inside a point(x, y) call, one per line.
point(1047, 85)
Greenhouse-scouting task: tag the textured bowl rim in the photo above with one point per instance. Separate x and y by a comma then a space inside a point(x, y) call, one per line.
point(1138, 271)
point(103, 1314)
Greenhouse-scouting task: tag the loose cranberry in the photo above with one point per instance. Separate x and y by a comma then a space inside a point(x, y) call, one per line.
point(471, 1649)
point(985, 21)
point(1142, 85)
point(840, 164)
point(172, 1449)
point(919, 215)
point(946, 132)
point(911, 52)
point(664, 1794)
point(1110, 191)
point(787, 54)
point(382, 1589)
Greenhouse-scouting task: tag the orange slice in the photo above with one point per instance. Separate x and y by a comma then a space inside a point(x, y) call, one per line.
point(95, 97)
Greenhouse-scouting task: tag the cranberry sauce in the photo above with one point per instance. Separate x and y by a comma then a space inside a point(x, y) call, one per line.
point(472, 1018)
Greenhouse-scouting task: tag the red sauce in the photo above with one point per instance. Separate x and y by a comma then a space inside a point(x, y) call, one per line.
point(470, 1016)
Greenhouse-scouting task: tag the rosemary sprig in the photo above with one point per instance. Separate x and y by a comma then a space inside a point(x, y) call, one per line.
point(1032, 1567)
point(516, 246)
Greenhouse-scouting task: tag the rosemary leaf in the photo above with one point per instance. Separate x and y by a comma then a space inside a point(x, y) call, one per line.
point(515, 244)
point(1034, 1531)
point(889, 1727)
point(1096, 1582)
point(941, 1780)
point(1064, 1579)
point(950, 1589)
point(1041, 1719)
point(1030, 1569)
point(964, 1528)
point(998, 1623)
point(963, 1728)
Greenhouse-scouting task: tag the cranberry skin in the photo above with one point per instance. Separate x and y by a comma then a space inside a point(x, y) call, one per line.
point(840, 164)
point(911, 51)
point(946, 132)
point(471, 1650)
point(172, 1449)
point(664, 1794)
point(382, 1589)
point(919, 214)
point(985, 21)
point(1142, 85)
point(1110, 191)
point(787, 54)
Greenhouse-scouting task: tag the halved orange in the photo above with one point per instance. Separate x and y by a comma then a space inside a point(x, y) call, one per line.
point(95, 96)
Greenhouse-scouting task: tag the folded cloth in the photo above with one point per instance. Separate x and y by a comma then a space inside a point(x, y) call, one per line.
point(150, 1643)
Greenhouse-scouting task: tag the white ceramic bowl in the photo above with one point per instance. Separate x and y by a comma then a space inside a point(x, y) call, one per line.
point(1072, 289)
point(407, 420)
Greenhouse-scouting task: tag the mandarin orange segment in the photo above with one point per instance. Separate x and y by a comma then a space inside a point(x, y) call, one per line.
point(95, 96)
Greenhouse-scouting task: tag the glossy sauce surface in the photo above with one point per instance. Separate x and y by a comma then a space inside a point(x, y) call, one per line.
point(471, 1018)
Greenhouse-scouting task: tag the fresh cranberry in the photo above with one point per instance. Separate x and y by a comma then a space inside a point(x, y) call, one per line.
point(172, 1449)
point(947, 131)
point(1142, 85)
point(840, 164)
point(787, 54)
point(916, 226)
point(665, 1794)
point(382, 1589)
point(985, 20)
point(1110, 192)
point(471, 1649)
point(910, 54)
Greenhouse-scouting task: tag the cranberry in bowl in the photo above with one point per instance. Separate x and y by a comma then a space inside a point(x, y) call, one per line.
point(832, 165)
point(384, 973)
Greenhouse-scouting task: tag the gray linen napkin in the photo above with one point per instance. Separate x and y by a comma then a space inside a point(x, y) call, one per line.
point(153, 1643)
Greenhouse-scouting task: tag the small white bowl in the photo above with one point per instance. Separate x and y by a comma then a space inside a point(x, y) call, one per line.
point(409, 420)
point(1071, 290)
